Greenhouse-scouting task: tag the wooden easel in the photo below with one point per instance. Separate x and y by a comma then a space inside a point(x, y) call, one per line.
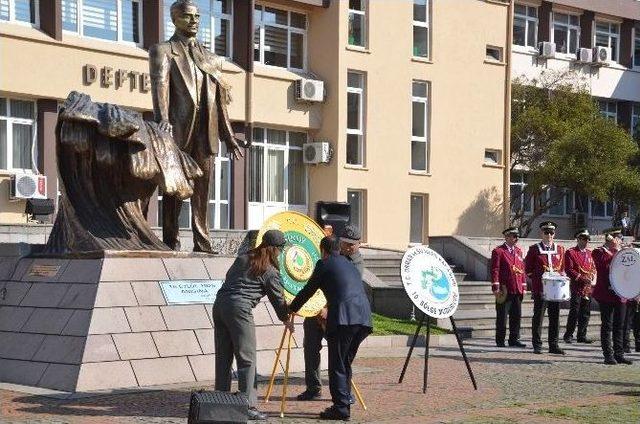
point(426, 354)
point(286, 374)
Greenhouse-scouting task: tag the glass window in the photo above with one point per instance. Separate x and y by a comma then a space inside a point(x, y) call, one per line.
point(636, 46)
point(356, 198)
point(608, 35)
point(420, 28)
point(520, 199)
point(566, 32)
point(357, 22)
point(355, 118)
point(557, 196)
point(113, 20)
point(19, 11)
point(635, 121)
point(420, 125)
point(277, 173)
point(216, 20)
point(280, 37)
point(608, 109)
point(17, 134)
point(525, 25)
point(416, 230)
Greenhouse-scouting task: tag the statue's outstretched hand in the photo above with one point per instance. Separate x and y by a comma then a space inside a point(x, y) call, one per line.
point(235, 148)
point(165, 126)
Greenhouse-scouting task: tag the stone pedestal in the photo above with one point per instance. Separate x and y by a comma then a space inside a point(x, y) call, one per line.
point(98, 324)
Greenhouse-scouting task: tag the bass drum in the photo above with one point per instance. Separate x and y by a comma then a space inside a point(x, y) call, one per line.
point(624, 273)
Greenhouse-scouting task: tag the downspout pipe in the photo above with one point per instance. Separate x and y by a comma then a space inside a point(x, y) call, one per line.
point(506, 211)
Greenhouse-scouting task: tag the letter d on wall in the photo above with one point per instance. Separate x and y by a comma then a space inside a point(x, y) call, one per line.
point(90, 74)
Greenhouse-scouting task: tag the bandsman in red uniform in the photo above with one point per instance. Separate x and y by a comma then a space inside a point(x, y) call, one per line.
point(546, 256)
point(579, 266)
point(508, 286)
point(612, 307)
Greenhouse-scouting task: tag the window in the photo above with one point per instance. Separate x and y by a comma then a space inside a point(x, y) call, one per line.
point(420, 28)
point(277, 173)
point(357, 199)
point(280, 37)
point(520, 200)
point(355, 118)
point(636, 46)
point(419, 125)
point(557, 195)
point(635, 121)
point(417, 218)
point(357, 22)
point(216, 20)
point(19, 11)
point(219, 189)
point(566, 32)
point(608, 35)
point(525, 25)
point(493, 157)
point(602, 209)
point(608, 109)
point(113, 20)
point(17, 134)
point(494, 54)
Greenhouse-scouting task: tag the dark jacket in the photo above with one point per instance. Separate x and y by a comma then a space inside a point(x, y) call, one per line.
point(358, 261)
point(342, 285)
point(242, 289)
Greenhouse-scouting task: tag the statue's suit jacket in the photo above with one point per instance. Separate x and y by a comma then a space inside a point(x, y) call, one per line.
point(172, 83)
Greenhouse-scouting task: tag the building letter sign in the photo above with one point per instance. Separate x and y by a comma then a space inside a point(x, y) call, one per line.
point(108, 77)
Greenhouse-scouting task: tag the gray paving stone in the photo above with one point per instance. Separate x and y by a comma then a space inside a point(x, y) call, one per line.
point(181, 317)
point(115, 294)
point(206, 340)
point(21, 268)
point(8, 267)
point(151, 372)
point(203, 367)
point(135, 346)
point(133, 269)
point(27, 373)
point(106, 375)
point(185, 268)
point(47, 321)
point(45, 295)
point(145, 318)
point(79, 296)
point(60, 377)
point(100, 348)
point(61, 349)
point(14, 292)
point(109, 320)
point(177, 343)
point(82, 271)
point(12, 318)
point(217, 267)
point(19, 345)
point(148, 293)
point(78, 324)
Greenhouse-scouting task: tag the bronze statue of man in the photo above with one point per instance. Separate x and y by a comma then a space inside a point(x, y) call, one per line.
point(190, 100)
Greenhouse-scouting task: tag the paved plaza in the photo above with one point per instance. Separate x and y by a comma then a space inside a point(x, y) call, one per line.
point(514, 386)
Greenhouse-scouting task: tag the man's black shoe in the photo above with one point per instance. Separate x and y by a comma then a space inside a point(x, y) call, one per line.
point(332, 413)
point(537, 350)
point(255, 415)
point(627, 349)
point(309, 395)
point(586, 340)
point(556, 350)
point(610, 361)
point(517, 343)
point(568, 339)
point(352, 400)
point(638, 348)
point(499, 344)
point(622, 360)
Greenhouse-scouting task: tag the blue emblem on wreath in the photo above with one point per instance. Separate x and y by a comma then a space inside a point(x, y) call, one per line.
point(435, 282)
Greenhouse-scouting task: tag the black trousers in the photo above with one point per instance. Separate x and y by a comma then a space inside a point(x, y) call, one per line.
point(312, 343)
point(612, 317)
point(579, 313)
point(343, 346)
point(512, 307)
point(539, 307)
point(632, 322)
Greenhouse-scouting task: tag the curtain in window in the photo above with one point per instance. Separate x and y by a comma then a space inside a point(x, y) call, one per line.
point(297, 180)
point(275, 176)
point(22, 140)
point(25, 11)
point(70, 15)
point(275, 46)
point(100, 19)
point(3, 144)
point(130, 21)
point(256, 169)
point(4, 10)
point(417, 219)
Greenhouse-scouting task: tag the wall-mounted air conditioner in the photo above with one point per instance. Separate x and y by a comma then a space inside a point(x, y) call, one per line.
point(547, 50)
point(308, 90)
point(585, 55)
point(317, 152)
point(28, 186)
point(601, 55)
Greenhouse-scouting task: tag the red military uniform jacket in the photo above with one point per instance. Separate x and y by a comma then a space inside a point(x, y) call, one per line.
point(579, 266)
point(536, 263)
point(507, 269)
point(603, 292)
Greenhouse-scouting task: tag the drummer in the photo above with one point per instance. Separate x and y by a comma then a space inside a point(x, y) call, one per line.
point(545, 256)
point(508, 286)
point(579, 266)
point(612, 307)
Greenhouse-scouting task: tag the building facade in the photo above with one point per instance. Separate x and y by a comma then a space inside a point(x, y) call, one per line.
point(416, 94)
point(576, 27)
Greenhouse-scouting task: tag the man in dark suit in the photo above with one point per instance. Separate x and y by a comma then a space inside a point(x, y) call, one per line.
point(348, 320)
point(190, 100)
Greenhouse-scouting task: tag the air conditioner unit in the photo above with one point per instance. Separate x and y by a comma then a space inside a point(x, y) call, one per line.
point(28, 186)
point(547, 50)
point(579, 220)
point(585, 55)
point(317, 152)
point(309, 90)
point(601, 55)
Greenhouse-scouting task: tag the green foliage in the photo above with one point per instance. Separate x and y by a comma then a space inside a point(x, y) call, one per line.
point(385, 326)
point(560, 139)
point(594, 414)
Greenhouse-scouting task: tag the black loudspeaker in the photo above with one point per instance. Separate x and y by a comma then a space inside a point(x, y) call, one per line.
point(336, 214)
point(39, 206)
point(218, 407)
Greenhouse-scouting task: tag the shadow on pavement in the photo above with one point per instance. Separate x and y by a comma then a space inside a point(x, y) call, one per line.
point(609, 383)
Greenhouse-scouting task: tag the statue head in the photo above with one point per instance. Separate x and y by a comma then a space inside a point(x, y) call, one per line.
point(186, 17)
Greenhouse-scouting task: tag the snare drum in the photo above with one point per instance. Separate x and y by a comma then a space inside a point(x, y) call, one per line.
point(624, 273)
point(555, 287)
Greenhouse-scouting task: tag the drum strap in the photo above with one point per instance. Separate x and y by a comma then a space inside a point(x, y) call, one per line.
point(549, 254)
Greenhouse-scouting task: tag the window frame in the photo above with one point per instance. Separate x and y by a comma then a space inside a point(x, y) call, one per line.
point(607, 113)
point(12, 15)
point(423, 236)
point(362, 225)
point(287, 147)
point(360, 91)
point(522, 183)
point(168, 26)
point(80, 27)
point(365, 30)
point(258, 24)
point(528, 20)
point(636, 46)
point(427, 127)
point(635, 118)
point(568, 26)
point(422, 24)
point(21, 121)
point(609, 34)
